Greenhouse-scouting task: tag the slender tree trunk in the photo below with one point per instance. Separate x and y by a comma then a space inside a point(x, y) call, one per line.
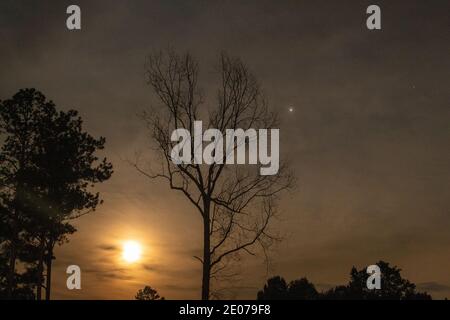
point(11, 270)
point(206, 253)
point(49, 272)
point(40, 271)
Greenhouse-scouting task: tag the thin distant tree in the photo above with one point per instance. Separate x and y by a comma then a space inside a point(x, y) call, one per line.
point(148, 293)
point(236, 203)
point(48, 168)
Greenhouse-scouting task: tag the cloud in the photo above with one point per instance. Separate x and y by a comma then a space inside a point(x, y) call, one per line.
point(106, 247)
point(170, 271)
point(433, 286)
point(175, 287)
point(102, 273)
point(151, 267)
point(113, 275)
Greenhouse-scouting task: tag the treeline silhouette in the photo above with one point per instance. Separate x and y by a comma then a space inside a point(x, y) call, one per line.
point(48, 167)
point(393, 287)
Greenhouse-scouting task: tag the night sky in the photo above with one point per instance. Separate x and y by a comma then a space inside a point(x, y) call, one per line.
point(368, 134)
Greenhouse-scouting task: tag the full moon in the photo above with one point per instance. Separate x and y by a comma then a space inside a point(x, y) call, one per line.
point(131, 251)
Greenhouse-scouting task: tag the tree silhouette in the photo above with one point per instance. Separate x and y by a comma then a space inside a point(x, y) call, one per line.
point(393, 287)
point(148, 293)
point(337, 293)
point(302, 289)
point(47, 170)
point(275, 289)
point(236, 203)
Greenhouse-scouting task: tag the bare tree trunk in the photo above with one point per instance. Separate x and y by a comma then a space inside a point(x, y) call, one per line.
point(40, 271)
point(11, 270)
point(49, 272)
point(206, 253)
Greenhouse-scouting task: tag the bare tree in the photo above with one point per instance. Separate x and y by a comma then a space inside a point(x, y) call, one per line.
point(235, 202)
